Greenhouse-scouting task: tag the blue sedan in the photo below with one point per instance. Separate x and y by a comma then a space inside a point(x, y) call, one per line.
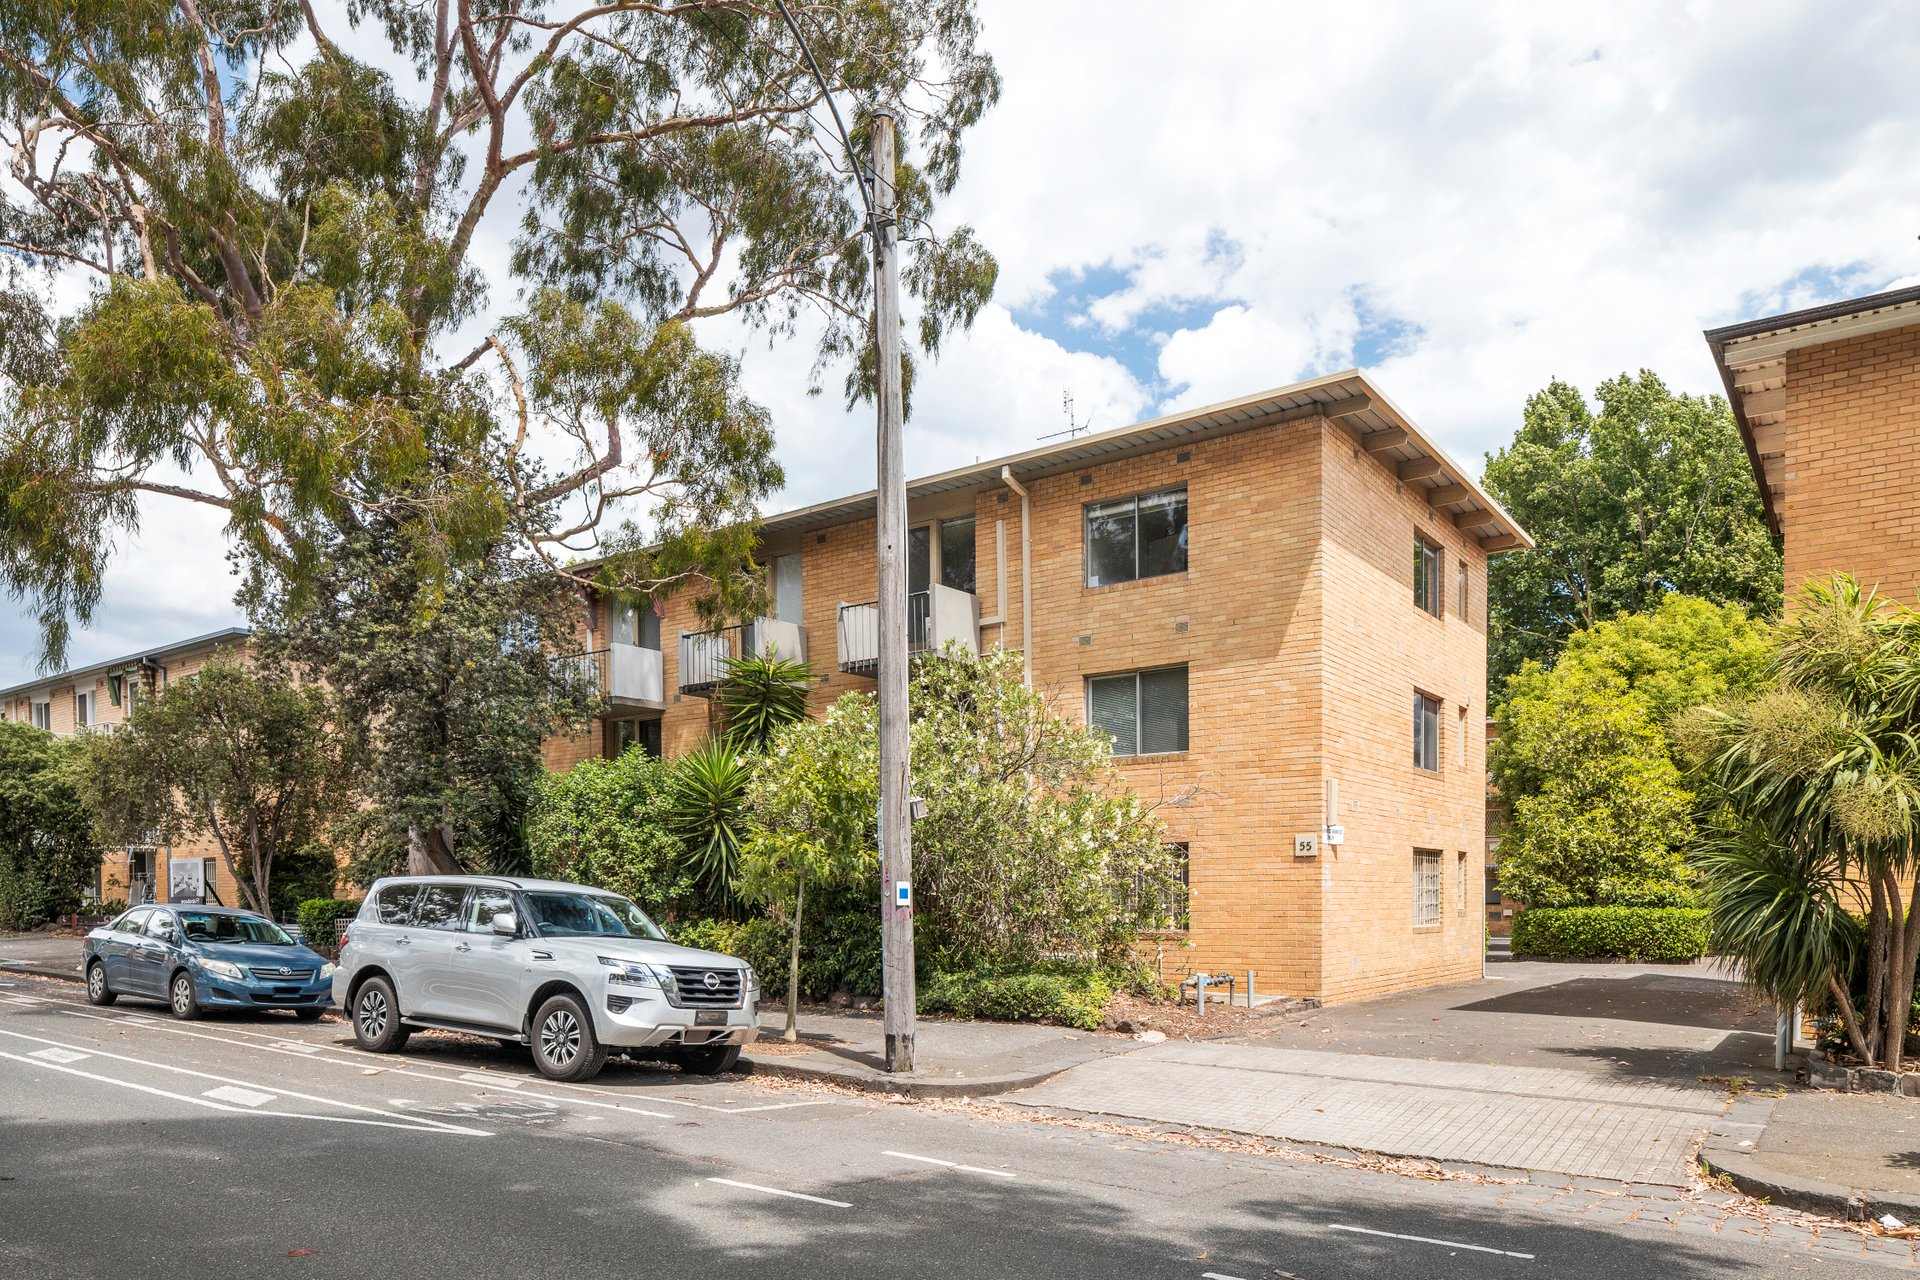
point(197, 958)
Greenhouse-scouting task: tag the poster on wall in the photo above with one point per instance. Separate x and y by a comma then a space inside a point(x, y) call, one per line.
point(186, 880)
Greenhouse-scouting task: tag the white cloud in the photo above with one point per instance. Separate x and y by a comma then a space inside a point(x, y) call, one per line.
point(1534, 190)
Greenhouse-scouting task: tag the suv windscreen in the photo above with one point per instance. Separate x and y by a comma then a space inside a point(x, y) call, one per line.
point(214, 926)
point(589, 915)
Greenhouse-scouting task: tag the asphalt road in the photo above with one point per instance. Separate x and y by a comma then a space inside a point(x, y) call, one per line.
point(132, 1146)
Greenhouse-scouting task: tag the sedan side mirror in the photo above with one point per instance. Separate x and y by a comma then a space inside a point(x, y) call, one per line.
point(505, 925)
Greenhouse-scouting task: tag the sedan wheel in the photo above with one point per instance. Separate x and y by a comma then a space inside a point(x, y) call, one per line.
point(97, 989)
point(180, 997)
point(564, 1046)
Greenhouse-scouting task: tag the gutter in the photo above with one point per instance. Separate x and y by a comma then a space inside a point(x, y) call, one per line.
point(1026, 570)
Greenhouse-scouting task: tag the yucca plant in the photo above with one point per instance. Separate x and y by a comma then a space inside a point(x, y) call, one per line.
point(706, 797)
point(762, 694)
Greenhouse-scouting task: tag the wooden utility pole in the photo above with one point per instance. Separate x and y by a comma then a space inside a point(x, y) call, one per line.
point(896, 822)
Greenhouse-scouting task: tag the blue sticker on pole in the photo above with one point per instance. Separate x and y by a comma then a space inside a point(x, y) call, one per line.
point(903, 895)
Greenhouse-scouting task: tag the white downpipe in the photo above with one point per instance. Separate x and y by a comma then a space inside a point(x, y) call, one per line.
point(1026, 570)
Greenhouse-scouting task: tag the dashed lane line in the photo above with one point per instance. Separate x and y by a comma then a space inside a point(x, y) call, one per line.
point(1445, 1244)
point(949, 1164)
point(238, 1096)
point(391, 1118)
point(776, 1191)
point(62, 1056)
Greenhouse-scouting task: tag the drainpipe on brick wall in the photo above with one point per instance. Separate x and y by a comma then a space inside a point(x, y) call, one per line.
point(1026, 571)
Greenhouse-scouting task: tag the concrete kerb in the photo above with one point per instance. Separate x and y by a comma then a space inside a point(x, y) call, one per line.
point(895, 1086)
point(1728, 1153)
point(58, 975)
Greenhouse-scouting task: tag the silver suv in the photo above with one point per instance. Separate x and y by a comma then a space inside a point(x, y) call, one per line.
point(567, 969)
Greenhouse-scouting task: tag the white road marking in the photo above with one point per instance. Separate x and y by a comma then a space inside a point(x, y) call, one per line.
point(59, 1055)
point(421, 1126)
point(498, 1082)
point(775, 1191)
point(239, 1097)
point(1445, 1244)
point(948, 1164)
point(244, 1084)
point(289, 1046)
point(1215, 1275)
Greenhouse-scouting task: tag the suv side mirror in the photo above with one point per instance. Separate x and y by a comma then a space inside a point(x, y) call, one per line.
point(505, 924)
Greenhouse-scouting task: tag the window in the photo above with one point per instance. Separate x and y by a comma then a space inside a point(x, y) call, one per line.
point(634, 624)
point(43, 715)
point(1462, 908)
point(957, 554)
point(82, 710)
point(1426, 888)
point(160, 925)
point(1144, 712)
point(1426, 732)
point(1139, 537)
point(439, 906)
point(1460, 739)
point(1460, 581)
point(394, 904)
point(786, 589)
point(1426, 575)
point(484, 905)
point(919, 558)
point(625, 734)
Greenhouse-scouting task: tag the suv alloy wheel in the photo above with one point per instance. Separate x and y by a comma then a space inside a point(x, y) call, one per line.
point(376, 1018)
point(564, 1046)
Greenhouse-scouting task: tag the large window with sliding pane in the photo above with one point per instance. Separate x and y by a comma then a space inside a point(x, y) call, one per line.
point(1143, 536)
point(1144, 712)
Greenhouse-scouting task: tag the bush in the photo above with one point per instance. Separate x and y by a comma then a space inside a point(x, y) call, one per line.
point(761, 943)
point(48, 857)
point(606, 823)
point(1074, 998)
point(1663, 934)
point(317, 918)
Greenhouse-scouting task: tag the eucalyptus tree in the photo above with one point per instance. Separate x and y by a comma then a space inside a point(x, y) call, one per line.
point(251, 265)
point(1814, 806)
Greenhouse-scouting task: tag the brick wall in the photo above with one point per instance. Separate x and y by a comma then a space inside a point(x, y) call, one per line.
point(1852, 478)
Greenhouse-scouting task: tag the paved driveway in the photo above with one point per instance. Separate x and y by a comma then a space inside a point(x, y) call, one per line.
point(1589, 1071)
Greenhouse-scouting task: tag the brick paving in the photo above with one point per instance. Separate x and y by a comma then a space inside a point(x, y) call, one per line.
point(1535, 1118)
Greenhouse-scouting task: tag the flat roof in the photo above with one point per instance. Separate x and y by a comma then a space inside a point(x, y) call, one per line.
point(1347, 397)
point(178, 647)
point(1752, 359)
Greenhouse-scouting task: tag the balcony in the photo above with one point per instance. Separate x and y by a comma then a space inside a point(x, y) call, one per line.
point(704, 654)
point(627, 675)
point(936, 617)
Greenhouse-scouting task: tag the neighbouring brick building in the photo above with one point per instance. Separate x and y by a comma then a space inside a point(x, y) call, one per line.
point(1277, 607)
point(1828, 401)
point(98, 699)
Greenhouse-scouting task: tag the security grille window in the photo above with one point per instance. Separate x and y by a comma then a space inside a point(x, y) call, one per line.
point(1144, 712)
point(957, 554)
point(1426, 888)
point(1426, 575)
point(1426, 732)
point(1164, 907)
point(1144, 536)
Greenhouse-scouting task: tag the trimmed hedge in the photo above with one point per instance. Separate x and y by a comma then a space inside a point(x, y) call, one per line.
point(1074, 999)
point(1661, 934)
point(317, 917)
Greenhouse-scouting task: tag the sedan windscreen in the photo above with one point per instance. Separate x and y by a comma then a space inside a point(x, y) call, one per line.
point(589, 915)
point(213, 926)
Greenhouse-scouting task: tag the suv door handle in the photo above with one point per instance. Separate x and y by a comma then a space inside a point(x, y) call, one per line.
point(403, 941)
point(465, 946)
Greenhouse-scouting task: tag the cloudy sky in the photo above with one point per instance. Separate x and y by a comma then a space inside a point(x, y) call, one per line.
point(1195, 202)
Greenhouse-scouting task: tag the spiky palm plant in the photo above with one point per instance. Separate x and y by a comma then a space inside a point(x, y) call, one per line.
point(706, 795)
point(762, 694)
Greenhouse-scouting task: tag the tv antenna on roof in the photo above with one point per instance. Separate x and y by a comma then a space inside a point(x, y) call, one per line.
point(1074, 426)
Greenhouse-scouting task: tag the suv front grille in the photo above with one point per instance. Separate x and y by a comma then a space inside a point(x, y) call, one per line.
point(694, 992)
point(282, 975)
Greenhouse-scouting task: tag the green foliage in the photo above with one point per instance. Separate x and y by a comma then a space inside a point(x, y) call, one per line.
point(269, 279)
point(306, 873)
point(607, 823)
point(245, 757)
point(1660, 935)
point(761, 942)
point(1073, 998)
point(706, 800)
point(1651, 495)
point(1812, 792)
point(47, 856)
point(762, 695)
point(1599, 814)
point(319, 919)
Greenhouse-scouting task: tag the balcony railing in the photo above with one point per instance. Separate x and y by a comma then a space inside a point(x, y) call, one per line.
point(627, 675)
point(704, 655)
point(936, 617)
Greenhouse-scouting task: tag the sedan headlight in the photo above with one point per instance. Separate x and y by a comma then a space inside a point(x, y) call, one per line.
point(328, 969)
point(629, 973)
point(220, 968)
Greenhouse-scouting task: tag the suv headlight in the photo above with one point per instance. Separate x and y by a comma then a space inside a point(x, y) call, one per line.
point(220, 968)
point(752, 979)
point(629, 973)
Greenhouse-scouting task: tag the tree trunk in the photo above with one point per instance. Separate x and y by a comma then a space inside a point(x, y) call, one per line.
point(430, 852)
point(1848, 1020)
point(1900, 983)
point(792, 1033)
point(1893, 1014)
point(1874, 1013)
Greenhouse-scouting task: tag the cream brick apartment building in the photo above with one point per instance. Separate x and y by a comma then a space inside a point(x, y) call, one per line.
point(1828, 401)
point(1276, 605)
point(97, 699)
